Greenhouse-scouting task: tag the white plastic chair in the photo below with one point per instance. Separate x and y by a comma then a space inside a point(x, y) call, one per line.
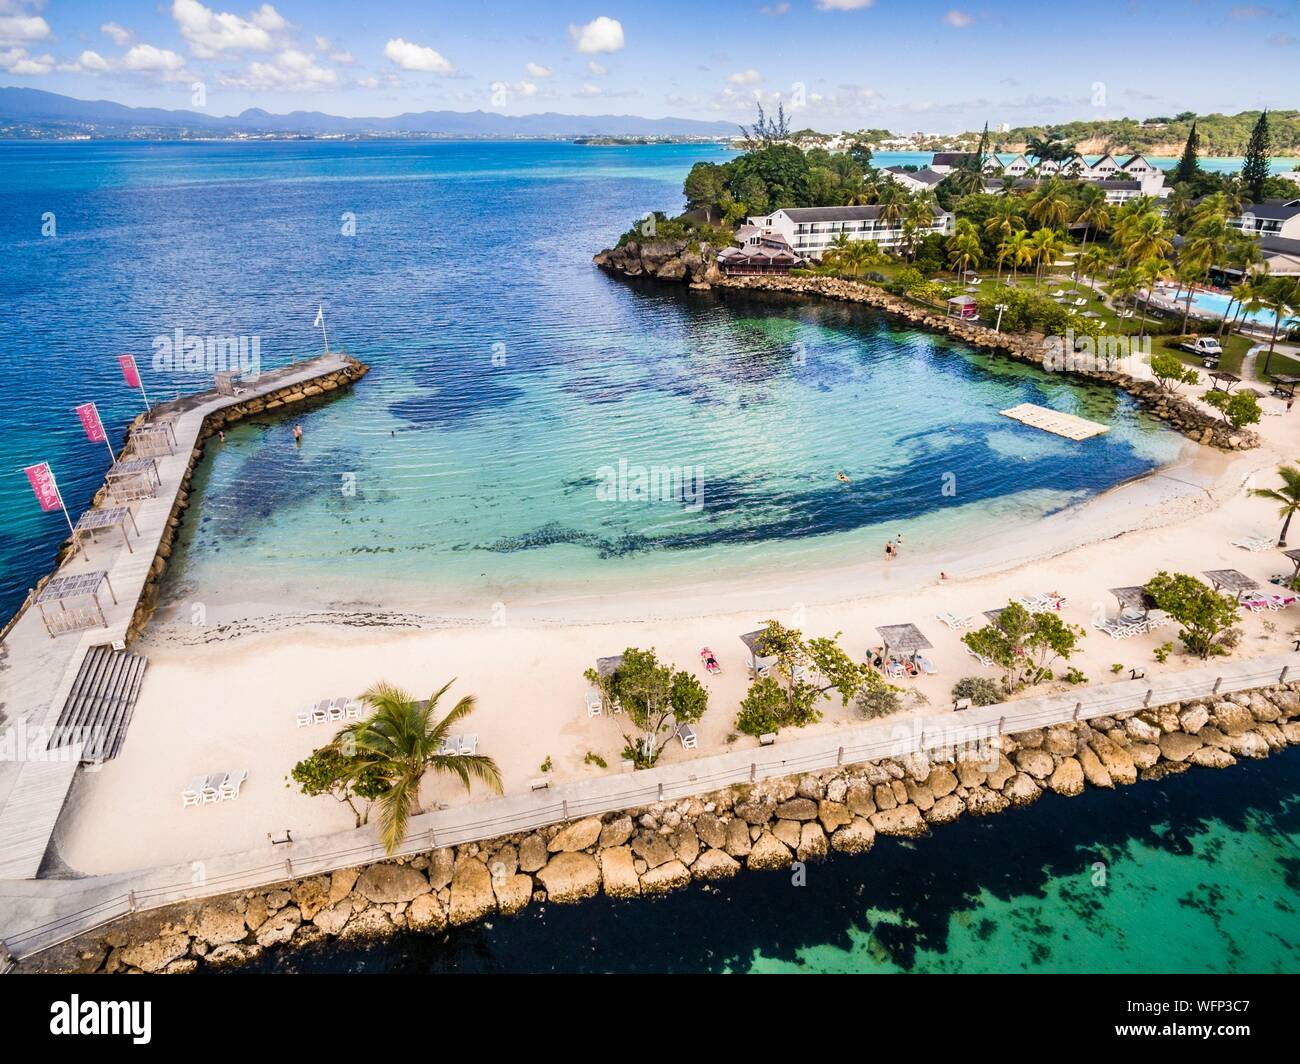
point(193, 793)
point(231, 783)
point(688, 737)
point(595, 704)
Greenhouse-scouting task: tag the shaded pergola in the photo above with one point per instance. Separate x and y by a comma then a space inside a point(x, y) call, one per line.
point(1231, 580)
point(93, 522)
point(133, 478)
point(156, 438)
point(227, 382)
point(994, 615)
point(1294, 556)
point(606, 667)
point(964, 307)
point(71, 603)
point(1284, 385)
point(756, 643)
point(1228, 379)
point(1132, 598)
point(903, 640)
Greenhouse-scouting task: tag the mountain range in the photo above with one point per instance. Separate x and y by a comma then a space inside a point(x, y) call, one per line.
point(34, 112)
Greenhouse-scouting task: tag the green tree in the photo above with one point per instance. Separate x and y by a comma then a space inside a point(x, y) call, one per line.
point(1188, 166)
point(1287, 498)
point(1254, 170)
point(345, 778)
point(704, 187)
point(1170, 372)
point(655, 700)
point(1239, 409)
point(401, 741)
point(1025, 644)
point(1206, 616)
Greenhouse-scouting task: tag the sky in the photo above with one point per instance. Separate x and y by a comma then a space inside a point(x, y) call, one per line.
point(904, 65)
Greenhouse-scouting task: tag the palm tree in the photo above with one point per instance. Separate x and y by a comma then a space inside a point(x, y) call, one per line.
point(1049, 204)
point(1046, 246)
point(1149, 271)
point(400, 742)
point(1282, 297)
point(1094, 261)
point(1002, 222)
point(1243, 254)
point(1125, 285)
point(963, 247)
point(1287, 497)
point(1094, 213)
point(891, 200)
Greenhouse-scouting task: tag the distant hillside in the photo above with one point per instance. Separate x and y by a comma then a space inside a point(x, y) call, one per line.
point(1222, 135)
point(33, 112)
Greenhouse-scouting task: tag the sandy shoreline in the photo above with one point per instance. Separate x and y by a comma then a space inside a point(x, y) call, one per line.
point(229, 699)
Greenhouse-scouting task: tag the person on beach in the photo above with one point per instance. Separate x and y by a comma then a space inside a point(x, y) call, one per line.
point(297, 434)
point(889, 549)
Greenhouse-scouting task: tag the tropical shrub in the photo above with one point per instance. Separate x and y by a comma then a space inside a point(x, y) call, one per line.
point(1206, 615)
point(1025, 644)
point(979, 689)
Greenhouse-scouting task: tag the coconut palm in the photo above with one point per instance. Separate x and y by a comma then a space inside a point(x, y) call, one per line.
point(1016, 250)
point(964, 247)
point(1005, 218)
point(1049, 204)
point(1281, 295)
point(1287, 497)
point(1046, 246)
point(1149, 271)
point(1096, 260)
point(401, 741)
point(1124, 285)
point(1093, 214)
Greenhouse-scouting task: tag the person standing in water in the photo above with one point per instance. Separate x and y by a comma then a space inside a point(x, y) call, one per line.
point(297, 433)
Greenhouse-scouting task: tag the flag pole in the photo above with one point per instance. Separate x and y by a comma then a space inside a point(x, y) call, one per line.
point(72, 532)
point(320, 320)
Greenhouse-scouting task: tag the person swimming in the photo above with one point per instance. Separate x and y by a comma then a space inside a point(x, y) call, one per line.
point(843, 477)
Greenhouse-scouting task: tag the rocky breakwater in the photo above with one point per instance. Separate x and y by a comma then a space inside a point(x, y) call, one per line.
point(293, 395)
point(662, 847)
point(665, 260)
point(1178, 412)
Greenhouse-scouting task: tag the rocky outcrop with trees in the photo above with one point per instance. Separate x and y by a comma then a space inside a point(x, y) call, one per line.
point(663, 847)
point(679, 259)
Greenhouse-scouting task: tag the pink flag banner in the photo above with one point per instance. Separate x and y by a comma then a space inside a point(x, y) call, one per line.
point(42, 482)
point(130, 373)
point(90, 422)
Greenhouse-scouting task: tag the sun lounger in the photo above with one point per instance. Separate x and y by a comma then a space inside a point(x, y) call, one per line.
point(211, 790)
point(354, 710)
point(1080, 302)
point(1254, 544)
point(985, 661)
point(895, 671)
point(688, 737)
point(925, 665)
point(957, 624)
point(449, 747)
point(232, 782)
point(334, 713)
point(595, 704)
point(763, 666)
point(1126, 313)
point(193, 793)
point(304, 719)
point(1057, 294)
point(467, 744)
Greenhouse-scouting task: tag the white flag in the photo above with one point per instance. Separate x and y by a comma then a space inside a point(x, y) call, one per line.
point(320, 314)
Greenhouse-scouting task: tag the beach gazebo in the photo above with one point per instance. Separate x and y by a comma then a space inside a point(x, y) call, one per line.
point(1227, 379)
point(133, 478)
point(902, 640)
point(71, 603)
point(964, 307)
point(1231, 580)
point(93, 522)
point(759, 658)
point(1284, 385)
point(154, 438)
point(1294, 557)
point(1132, 598)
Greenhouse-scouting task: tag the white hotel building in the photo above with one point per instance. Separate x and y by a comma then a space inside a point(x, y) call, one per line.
point(812, 230)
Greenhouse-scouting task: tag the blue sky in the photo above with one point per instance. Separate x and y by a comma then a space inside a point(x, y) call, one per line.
point(900, 64)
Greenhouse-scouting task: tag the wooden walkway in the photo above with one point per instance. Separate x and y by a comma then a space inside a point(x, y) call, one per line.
point(1054, 421)
point(38, 673)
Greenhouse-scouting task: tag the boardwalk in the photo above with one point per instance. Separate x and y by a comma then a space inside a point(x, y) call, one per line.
point(38, 672)
point(35, 915)
point(1054, 421)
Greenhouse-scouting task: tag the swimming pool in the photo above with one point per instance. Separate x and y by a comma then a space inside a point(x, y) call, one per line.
point(1218, 305)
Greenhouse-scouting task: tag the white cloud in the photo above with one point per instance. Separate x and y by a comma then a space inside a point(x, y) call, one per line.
point(322, 43)
point(17, 61)
point(598, 70)
point(958, 19)
point(86, 62)
point(117, 34)
point(210, 32)
point(411, 56)
point(745, 77)
point(536, 70)
point(589, 90)
point(843, 5)
point(342, 57)
point(774, 10)
point(526, 88)
point(601, 34)
point(367, 83)
point(291, 71)
point(23, 29)
point(146, 59)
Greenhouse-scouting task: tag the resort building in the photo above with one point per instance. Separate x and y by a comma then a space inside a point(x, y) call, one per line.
point(1276, 218)
point(945, 162)
point(913, 180)
point(762, 250)
point(1118, 191)
point(809, 231)
point(1107, 169)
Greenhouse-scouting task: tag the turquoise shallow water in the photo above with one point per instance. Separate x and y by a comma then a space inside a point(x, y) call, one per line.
point(508, 374)
point(1194, 873)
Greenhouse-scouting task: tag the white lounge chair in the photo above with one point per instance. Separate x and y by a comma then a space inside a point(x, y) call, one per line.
point(467, 744)
point(211, 790)
point(1058, 294)
point(595, 704)
point(1080, 302)
point(957, 624)
point(987, 662)
point(232, 782)
point(304, 719)
point(450, 746)
point(354, 710)
point(895, 671)
point(688, 737)
point(1126, 313)
point(763, 666)
point(1254, 544)
point(925, 665)
point(193, 793)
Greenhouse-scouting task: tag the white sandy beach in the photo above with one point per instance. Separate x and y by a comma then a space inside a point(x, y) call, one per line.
point(230, 702)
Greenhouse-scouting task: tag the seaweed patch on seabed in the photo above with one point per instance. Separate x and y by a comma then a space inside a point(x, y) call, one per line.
point(456, 401)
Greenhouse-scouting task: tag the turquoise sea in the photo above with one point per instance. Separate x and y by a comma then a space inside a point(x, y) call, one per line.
point(510, 378)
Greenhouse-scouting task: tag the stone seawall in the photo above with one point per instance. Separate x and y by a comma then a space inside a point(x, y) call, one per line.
point(662, 847)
